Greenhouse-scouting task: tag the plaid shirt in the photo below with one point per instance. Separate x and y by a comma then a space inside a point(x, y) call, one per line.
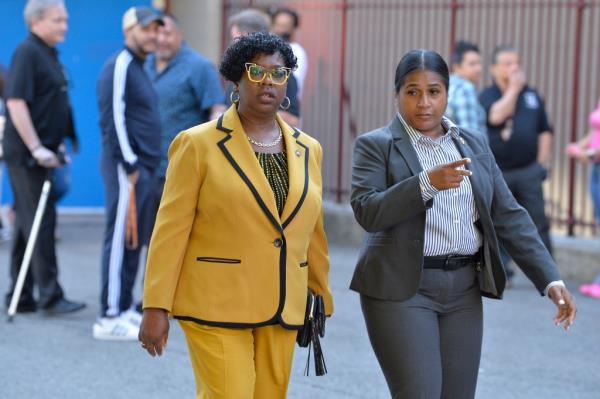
point(463, 105)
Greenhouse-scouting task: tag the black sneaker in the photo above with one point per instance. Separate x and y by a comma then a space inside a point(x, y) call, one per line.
point(63, 306)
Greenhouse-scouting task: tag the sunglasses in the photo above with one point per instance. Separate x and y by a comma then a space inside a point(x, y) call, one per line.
point(257, 73)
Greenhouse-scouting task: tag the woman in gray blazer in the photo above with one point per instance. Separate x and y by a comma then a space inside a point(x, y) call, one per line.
point(435, 206)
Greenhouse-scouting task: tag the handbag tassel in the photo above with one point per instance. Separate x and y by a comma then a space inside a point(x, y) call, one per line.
point(315, 345)
point(320, 367)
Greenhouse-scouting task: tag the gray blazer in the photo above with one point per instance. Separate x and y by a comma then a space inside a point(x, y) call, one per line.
point(387, 203)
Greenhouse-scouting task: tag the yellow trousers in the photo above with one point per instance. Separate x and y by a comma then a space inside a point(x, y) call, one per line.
point(249, 363)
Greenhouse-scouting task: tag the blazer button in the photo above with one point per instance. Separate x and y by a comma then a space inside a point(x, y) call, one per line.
point(278, 242)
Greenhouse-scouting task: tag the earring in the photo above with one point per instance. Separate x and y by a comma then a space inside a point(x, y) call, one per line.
point(289, 102)
point(234, 96)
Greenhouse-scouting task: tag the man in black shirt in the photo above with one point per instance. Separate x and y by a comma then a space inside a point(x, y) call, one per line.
point(520, 135)
point(39, 118)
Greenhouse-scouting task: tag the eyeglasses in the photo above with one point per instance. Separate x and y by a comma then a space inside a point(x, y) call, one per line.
point(257, 73)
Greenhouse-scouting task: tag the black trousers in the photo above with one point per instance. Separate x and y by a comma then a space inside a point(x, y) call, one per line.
point(26, 184)
point(526, 186)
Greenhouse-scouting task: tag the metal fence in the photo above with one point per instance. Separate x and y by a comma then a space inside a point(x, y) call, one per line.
point(354, 46)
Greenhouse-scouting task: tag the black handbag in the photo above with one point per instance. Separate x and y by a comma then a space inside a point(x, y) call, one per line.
point(314, 327)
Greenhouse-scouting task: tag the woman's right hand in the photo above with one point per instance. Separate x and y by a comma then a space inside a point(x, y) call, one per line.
point(154, 331)
point(575, 150)
point(449, 175)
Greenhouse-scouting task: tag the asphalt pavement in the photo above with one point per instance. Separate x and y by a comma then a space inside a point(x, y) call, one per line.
point(524, 355)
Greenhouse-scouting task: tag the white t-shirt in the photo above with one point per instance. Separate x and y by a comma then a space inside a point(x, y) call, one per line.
point(302, 68)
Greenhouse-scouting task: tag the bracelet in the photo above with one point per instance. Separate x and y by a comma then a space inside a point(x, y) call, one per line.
point(35, 148)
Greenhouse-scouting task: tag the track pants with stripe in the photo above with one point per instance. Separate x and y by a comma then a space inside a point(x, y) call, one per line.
point(119, 264)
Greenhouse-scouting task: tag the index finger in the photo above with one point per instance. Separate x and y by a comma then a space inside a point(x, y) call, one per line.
point(457, 164)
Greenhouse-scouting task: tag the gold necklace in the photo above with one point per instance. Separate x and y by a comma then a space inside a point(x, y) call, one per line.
point(271, 144)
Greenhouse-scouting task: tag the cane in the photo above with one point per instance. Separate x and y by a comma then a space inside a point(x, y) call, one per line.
point(37, 221)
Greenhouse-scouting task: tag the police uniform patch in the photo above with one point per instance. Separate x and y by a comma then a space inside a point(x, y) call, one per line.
point(531, 100)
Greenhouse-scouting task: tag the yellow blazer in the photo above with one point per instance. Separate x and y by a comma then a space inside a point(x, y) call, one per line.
point(220, 253)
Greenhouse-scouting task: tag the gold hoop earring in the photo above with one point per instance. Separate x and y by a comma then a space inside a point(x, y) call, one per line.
point(236, 99)
point(289, 103)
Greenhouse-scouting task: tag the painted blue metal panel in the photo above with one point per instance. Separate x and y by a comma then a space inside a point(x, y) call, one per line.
point(94, 34)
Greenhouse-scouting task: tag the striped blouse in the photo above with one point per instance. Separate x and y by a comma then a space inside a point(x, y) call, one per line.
point(276, 170)
point(449, 228)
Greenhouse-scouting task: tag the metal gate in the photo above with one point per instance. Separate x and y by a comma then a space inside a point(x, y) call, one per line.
point(354, 46)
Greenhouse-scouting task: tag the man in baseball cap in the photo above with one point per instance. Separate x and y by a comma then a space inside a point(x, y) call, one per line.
point(140, 27)
point(131, 150)
point(140, 15)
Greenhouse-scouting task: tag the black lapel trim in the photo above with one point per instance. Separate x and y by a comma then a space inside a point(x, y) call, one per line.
point(257, 197)
point(304, 189)
point(296, 133)
point(221, 127)
point(283, 250)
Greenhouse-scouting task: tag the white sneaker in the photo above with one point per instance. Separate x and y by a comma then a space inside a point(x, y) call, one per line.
point(115, 329)
point(132, 316)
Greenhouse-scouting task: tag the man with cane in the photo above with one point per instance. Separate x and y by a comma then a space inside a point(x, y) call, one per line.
point(39, 118)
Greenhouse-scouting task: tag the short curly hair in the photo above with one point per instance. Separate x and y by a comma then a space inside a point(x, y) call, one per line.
point(247, 47)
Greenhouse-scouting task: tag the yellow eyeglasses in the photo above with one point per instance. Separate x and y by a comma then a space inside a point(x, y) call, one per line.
point(257, 73)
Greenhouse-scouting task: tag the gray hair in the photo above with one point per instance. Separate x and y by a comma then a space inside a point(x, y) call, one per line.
point(37, 8)
point(250, 21)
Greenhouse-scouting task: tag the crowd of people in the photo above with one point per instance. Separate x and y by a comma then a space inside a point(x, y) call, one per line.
point(224, 192)
point(148, 92)
point(512, 117)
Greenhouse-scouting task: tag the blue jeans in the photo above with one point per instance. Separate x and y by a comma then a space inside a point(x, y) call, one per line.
point(595, 193)
point(595, 190)
point(526, 186)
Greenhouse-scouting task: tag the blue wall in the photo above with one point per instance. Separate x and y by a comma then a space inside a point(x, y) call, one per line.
point(94, 34)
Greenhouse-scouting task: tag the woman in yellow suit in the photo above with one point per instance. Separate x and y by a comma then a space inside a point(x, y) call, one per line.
point(239, 235)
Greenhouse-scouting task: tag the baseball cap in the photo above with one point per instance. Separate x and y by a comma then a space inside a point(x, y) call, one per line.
point(140, 15)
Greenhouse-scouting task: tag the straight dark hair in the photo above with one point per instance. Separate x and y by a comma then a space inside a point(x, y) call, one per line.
point(288, 11)
point(421, 59)
point(461, 48)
